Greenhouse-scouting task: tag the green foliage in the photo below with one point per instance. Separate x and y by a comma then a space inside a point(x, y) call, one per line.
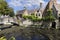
point(32, 14)
point(3, 38)
point(12, 38)
point(49, 16)
point(32, 18)
point(5, 9)
point(11, 12)
point(25, 17)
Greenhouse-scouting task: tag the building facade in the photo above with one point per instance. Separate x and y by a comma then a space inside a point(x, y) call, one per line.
point(55, 7)
point(52, 4)
point(6, 19)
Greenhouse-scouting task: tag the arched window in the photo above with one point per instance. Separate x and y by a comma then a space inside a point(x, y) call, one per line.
point(36, 14)
point(39, 14)
point(37, 10)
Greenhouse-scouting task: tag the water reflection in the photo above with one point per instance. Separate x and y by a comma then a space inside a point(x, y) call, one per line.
point(19, 38)
point(35, 37)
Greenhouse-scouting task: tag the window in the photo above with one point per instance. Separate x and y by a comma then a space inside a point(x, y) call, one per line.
point(37, 10)
point(39, 14)
point(36, 14)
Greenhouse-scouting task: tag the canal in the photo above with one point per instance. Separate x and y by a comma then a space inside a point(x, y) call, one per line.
point(33, 37)
point(31, 33)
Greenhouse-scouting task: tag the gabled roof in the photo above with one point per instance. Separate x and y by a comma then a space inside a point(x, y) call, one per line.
point(50, 6)
point(20, 12)
point(45, 9)
point(29, 11)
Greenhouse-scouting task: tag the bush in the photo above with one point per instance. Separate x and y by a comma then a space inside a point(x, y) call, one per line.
point(12, 38)
point(49, 18)
point(32, 18)
point(25, 17)
point(3, 38)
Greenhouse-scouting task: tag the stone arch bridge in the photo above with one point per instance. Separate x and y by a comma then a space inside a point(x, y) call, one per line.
point(27, 33)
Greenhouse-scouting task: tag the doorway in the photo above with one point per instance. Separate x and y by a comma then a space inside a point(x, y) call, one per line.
point(59, 19)
point(53, 24)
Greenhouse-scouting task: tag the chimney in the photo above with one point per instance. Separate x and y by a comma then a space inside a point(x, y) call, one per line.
point(40, 5)
point(25, 8)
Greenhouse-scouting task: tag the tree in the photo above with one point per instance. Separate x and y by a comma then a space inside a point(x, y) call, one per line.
point(5, 9)
point(3, 38)
point(12, 38)
point(11, 12)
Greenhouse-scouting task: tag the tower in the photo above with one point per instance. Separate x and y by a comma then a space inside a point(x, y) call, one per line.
point(40, 5)
point(25, 8)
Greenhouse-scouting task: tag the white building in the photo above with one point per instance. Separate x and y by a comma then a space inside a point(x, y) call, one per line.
point(6, 19)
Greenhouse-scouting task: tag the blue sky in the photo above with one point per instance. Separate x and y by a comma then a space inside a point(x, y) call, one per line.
point(29, 4)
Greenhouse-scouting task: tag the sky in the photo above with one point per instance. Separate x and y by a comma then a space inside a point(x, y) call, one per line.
point(29, 4)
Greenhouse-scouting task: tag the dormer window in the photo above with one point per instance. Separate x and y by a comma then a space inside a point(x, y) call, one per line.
point(39, 14)
point(37, 10)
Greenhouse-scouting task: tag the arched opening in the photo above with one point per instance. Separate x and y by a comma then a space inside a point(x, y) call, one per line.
point(59, 19)
point(53, 24)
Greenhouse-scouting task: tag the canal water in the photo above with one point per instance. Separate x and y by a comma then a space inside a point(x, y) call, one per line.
point(34, 37)
point(25, 34)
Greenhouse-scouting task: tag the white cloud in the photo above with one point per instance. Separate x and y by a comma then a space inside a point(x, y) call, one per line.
point(58, 2)
point(15, 3)
point(25, 2)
